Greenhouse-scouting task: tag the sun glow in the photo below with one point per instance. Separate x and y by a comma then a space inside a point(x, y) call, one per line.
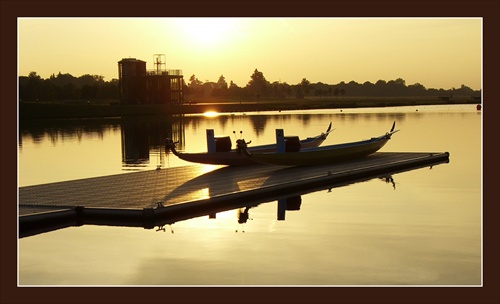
point(208, 31)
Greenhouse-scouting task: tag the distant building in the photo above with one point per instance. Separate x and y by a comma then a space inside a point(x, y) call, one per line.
point(141, 86)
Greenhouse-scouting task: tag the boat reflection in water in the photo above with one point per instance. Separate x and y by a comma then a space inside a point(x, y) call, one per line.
point(291, 203)
point(284, 204)
point(243, 217)
point(389, 180)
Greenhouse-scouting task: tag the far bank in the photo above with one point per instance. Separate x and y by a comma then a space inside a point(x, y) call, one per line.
point(34, 110)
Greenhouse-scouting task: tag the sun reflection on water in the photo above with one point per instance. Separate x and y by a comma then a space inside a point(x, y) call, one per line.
point(210, 114)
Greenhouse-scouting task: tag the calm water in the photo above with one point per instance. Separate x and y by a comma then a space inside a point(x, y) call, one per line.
point(423, 229)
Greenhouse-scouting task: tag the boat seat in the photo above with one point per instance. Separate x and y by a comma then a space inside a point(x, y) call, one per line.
point(223, 144)
point(292, 144)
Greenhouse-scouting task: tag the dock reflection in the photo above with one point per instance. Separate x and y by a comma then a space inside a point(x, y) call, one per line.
point(249, 188)
point(286, 203)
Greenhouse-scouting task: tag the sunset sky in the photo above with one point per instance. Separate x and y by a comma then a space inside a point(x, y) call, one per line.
point(435, 52)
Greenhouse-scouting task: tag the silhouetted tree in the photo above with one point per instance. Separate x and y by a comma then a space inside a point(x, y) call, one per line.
point(368, 88)
point(258, 85)
point(416, 90)
point(195, 86)
point(221, 83)
point(208, 88)
point(464, 90)
point(305, 85)
point(33, 89)
point(380, 87)
point(279, 90)
point(234, 90)
point(221, 88)
point(194, 81)
point(66, 87)
point(299, 92)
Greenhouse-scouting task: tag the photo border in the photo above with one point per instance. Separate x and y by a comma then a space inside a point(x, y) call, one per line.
point(11, 10)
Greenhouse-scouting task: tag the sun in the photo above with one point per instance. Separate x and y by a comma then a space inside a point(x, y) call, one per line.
point(208, 31)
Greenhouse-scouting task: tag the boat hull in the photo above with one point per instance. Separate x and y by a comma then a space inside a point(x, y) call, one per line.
point(231, 158)
point(237, 158)
point(322, 155)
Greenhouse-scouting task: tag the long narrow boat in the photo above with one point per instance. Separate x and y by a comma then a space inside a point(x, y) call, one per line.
point(320, 155)
point(222, 154)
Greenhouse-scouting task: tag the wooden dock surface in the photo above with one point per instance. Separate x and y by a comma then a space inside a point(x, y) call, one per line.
point(177, 185)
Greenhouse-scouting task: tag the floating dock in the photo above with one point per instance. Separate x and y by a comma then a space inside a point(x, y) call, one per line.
point(167, 195)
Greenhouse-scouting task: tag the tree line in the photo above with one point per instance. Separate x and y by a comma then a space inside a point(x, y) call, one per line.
point(66, 87)
point(258, 87)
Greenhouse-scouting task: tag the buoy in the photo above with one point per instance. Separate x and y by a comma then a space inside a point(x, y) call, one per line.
point(478, 107)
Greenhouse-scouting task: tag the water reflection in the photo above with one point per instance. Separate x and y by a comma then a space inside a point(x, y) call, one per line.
point(390, 180)
point(156, 127)
point(57, 130)
point(284, 204)
point(142, 137)
point(238, 179)
point(291, 203)
point(135, 143)
point(243, 217)
point(360, 234)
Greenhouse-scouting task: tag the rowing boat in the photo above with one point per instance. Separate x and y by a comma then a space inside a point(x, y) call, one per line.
point(319, 155)
point(220, 152)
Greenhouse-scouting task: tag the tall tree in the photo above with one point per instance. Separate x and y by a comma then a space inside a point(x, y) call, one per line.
point(221, 83)
point(195, 85)
point(193, 81)
point(258, 84)
point(305, 84)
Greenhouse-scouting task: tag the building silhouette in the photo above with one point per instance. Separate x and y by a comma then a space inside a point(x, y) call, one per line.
point(137, 85)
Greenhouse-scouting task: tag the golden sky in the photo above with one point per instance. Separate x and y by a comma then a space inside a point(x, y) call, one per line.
point(435, 52)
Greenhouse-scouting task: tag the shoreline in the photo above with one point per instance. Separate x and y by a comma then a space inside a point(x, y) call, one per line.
point(95, 110)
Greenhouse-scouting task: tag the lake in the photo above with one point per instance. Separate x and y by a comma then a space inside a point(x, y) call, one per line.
point(421, 227)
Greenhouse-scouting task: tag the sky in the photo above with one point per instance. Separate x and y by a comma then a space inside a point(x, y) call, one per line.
point(435, 52)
